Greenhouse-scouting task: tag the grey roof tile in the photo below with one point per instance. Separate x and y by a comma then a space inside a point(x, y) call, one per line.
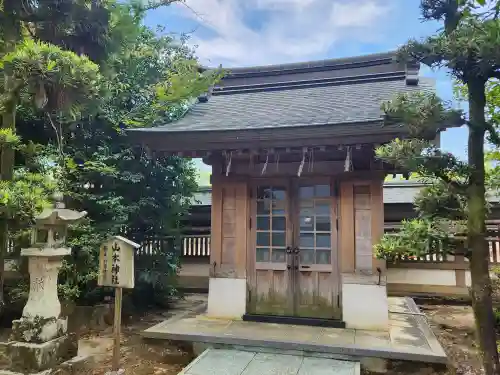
point(395, 192)
point(345, 103)
point(202, 198)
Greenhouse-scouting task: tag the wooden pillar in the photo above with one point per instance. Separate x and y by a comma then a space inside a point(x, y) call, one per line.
point(377, 207)
point(229, 228)
point(346, 227)
point(216, 228)
point(361, 223)
point(460, 279)
point(242, 220)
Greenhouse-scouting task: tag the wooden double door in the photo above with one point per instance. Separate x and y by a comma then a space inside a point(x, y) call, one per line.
point(292, 250)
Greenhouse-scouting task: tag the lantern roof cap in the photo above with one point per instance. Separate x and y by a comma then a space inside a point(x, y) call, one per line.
point(54, 215)
point(58, 213)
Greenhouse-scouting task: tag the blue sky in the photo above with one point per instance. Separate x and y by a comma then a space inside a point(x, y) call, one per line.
point(260, 32)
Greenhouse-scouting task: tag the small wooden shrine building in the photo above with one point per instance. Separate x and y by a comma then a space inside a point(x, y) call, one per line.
point(297, 200)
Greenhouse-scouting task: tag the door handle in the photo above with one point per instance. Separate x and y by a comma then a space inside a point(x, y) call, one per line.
point(305, 267)
point(296, 259)
point(289, 258)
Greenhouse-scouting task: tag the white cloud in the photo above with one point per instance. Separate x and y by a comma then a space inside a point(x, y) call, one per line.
point(283, 4)
point(289, 30)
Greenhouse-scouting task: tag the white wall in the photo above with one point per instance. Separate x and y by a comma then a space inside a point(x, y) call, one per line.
point(468, 280)
point(355, 299)
point(227, 298)
point(421, 276)
point(425, 277)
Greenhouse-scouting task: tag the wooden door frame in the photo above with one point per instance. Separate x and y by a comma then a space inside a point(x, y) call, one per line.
point(334, 241)
point(335, 266)
point(291, 184)
point(251, 268)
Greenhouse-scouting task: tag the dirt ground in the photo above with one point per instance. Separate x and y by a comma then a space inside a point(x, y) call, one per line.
point(454, 328)
point(139, 357)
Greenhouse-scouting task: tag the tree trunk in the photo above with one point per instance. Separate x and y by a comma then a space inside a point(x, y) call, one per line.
point(481, 289)
point(6, 174)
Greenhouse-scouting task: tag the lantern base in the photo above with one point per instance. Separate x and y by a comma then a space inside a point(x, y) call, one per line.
point(27, 357)
point(37, 329)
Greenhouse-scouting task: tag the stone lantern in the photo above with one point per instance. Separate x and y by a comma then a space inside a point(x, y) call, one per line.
point(41, 340)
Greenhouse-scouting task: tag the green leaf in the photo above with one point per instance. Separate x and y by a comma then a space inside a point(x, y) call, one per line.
point(51, 65)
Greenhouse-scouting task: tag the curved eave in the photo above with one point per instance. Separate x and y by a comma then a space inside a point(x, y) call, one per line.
point(54, 215)
point(292, 136)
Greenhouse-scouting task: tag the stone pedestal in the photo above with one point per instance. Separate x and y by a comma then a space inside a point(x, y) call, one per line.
point(27, 357)
point(227, 298)
point(364, 302)
point(40, 339)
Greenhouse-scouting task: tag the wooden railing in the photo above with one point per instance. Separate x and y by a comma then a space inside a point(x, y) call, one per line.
point(191, 245)
point(494, 246)
point(494, 250)
point(10, 248)
point(199, 246)
point(196, 246)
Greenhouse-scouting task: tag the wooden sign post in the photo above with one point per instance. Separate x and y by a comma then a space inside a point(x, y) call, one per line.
point(116, 270)
point(117, 324)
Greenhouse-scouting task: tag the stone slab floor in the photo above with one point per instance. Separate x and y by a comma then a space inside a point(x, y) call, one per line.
point(409, 336)
point(236, 362)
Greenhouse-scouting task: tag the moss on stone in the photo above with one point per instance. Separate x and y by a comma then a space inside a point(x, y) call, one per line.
point(30, 329)
point(32, 357)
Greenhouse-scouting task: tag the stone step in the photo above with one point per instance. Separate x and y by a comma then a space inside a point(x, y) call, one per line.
point(242, 362)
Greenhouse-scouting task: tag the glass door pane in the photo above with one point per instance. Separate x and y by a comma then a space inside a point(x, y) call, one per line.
point(271, 223)
point(315, 226)
point(315, 282)
point(271, 287)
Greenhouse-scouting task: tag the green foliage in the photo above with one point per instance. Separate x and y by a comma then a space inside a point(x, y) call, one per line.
point(437, 200)
point(8, 138)
point(428, 161)
point(25, 196)
point(30, 190)
point(423, 113)
point(467, 33)
point(153, 81)
point(54, 80)
point(78, 274)
point(416, 238)
point(441, 206)
point(468, 47)
point(81, 26)
point(131, 78)
point(473, 37)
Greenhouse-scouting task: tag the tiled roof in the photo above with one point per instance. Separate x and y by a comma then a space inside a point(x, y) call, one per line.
point(351, 103)
point(203, 197)
point(315, 93)
point(400, 192)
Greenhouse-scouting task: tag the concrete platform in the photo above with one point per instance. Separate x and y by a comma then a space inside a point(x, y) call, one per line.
point(409, 337)
point(236, 362)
